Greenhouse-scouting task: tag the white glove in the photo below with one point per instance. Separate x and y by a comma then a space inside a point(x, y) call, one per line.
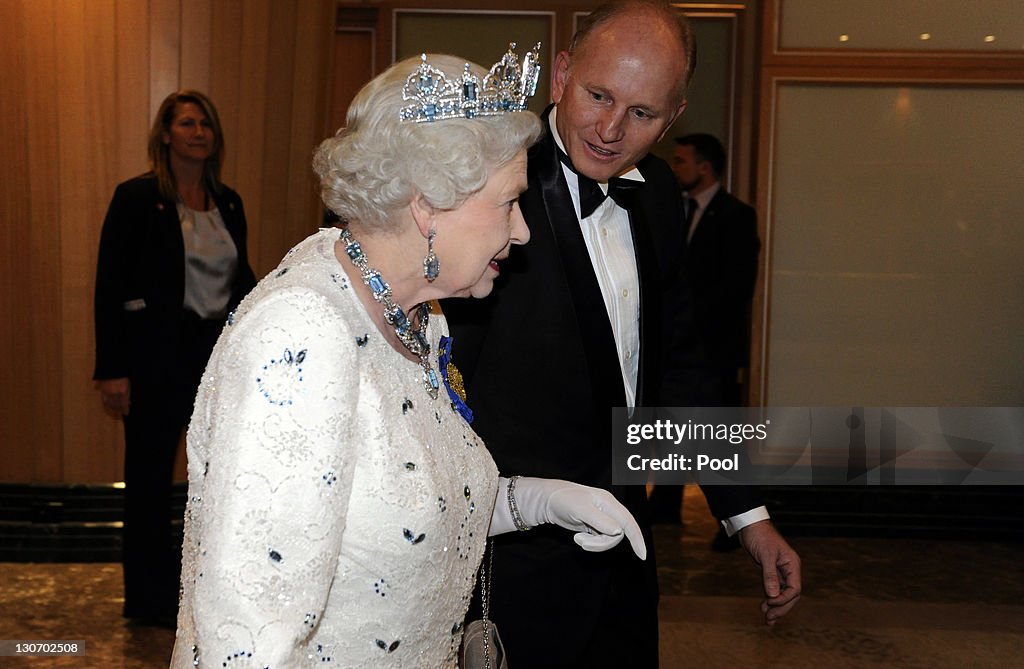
point(598, 519)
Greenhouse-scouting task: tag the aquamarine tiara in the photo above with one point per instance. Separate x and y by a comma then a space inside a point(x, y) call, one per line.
point(508, 87)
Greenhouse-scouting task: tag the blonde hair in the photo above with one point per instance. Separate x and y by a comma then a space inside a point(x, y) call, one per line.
point(159, 152)
point(376, 164)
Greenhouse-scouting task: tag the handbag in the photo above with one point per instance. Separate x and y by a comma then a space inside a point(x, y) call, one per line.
point(481, 645)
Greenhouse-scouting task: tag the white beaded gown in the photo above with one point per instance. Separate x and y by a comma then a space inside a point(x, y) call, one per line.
point(336, 513)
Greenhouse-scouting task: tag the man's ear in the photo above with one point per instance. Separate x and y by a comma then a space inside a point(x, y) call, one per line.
point(560, 75)
point(678, 112)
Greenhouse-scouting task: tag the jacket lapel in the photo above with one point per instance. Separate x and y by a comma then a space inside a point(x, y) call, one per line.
point(591, 315)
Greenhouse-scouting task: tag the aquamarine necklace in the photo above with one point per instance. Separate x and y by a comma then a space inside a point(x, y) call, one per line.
point(413, 338)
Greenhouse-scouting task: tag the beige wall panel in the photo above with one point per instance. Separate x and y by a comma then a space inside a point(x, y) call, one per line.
point(164, 51)
point(225, 79)
point(902, 25)
point(251, 120)
point(14, 235)
point(196, 31)
point(896, 274)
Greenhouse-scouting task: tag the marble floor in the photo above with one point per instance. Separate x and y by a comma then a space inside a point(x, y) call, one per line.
point(875, 603)
point(878, 603)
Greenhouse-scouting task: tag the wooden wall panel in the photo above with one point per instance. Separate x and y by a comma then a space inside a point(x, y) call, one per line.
point(132, 103)
point(164, 46)
point(13, 237)
point(310, 72)
point(280, 48)
point(353, 53)
point(225, 80)
point(129, 118)
point(87, 130)
point(196, 34)
point(73, 166)
point(83, 79)
point(252, 96)
point(39, 384)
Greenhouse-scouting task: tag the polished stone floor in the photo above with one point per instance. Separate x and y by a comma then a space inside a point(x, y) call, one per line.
point(879, 603)
point(875, 603)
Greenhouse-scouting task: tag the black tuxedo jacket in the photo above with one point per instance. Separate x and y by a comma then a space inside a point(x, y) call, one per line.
point(721, 267)
point(140, 279)
point(542, 374)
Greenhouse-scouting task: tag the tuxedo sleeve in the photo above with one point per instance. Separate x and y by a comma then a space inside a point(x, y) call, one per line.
point(687, 381)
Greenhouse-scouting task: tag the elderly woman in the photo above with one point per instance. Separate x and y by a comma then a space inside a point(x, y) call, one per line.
point(339, 502)
point(172, 264)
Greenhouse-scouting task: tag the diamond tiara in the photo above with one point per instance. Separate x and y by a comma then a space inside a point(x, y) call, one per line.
point(508, 87)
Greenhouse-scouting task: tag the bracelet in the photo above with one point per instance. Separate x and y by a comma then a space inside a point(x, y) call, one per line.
point(517, 518)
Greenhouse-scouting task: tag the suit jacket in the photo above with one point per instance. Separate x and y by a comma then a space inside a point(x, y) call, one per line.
point(721, 266)
point(542, 373)
point(140, 279)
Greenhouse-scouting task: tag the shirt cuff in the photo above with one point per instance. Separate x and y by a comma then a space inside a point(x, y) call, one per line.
point(734, 524)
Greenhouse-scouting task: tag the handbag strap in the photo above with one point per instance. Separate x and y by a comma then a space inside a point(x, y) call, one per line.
point(486, 577)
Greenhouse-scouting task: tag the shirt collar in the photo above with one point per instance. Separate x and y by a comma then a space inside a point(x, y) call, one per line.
point(704, 197)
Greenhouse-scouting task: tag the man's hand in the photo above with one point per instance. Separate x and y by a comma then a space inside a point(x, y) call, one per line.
point(116, 395)
point(780, 568)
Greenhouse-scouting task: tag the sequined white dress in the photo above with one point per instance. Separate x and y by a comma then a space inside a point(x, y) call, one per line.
point(336, 514)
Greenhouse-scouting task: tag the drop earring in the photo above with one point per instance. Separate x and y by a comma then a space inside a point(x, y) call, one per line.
point(431, 265)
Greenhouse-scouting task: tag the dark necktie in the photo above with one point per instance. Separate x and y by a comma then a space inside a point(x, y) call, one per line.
point(591, 195)
point(689, 209)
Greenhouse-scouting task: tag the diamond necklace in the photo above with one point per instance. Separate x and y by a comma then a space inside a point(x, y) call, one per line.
point(413, 338)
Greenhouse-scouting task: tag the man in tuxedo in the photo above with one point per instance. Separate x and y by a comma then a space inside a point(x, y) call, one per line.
point(581, 326)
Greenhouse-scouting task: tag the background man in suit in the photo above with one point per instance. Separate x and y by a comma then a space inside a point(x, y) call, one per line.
point(580, 328)
point(721, 260)
point(721, 268)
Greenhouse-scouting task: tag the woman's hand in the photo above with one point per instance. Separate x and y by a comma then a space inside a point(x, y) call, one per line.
point(116, 395)
point(598, 519)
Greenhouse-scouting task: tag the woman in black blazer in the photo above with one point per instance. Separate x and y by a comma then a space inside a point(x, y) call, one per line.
point(172, 266)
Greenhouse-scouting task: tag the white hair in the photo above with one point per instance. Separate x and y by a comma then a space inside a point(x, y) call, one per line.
point(376, 164)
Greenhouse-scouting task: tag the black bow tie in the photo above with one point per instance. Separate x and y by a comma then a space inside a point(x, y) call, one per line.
point(591, 195)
